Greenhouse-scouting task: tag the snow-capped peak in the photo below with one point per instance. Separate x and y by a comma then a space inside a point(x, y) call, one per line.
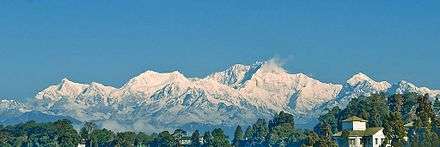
point(358, 78)
point(239, 94)
point(236, 75)
point(153, 79)
point(66, 88)
point(363, 80)
point(272, 66)
point(405, 87)
point(12, 105)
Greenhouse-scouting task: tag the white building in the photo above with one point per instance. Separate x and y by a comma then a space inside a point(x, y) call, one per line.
point(356, 134)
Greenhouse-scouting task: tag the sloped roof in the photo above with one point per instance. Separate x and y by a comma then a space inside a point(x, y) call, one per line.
point(358, 133)
point(354, 118)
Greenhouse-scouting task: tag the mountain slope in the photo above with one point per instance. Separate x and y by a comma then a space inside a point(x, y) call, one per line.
point(240, 94)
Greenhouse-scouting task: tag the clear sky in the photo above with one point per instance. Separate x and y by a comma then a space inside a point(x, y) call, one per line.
point(42, 41)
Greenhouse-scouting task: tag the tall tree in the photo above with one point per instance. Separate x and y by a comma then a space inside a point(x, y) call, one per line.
point(125, 139)
point(86, 132)
point(165, 139)
point(395, 103)
point(66, 134)
point(378, 111)
point(261, 130)
point(330, 118)
point(396, 132)
point(143, 139)
point(281, 130)
point(102, 137)
point(219, 138)
point(238, 136)
point(249, 133)
point(207, 138)
point(195, 139)
point(282, 118)
point(436, 106)
point(425, 117)
point(311, 139)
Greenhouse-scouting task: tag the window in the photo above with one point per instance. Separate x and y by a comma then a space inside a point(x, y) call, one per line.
point(381, 140)
point(351, 141)
point(376, 140)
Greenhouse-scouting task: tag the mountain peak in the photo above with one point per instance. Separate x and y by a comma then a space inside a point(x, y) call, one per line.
point(359, 78)
point(150, 74)
point(403, 82)
point(272, 65)
point(66, 80)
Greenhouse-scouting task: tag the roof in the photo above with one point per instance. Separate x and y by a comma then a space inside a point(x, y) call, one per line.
point(358, 133)
point(354, 118)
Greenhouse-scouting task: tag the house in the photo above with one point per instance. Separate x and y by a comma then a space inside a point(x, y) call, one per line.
point(356, 134)
point(82, 143)
point(185, 141)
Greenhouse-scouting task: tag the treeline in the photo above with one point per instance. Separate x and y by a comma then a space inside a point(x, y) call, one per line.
point(391, 112)
point(280, 130)
point(30, 134)
point(408, 119)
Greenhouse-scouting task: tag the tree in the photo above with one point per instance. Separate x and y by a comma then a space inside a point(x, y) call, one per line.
point(238, 136)
point(425, 116)
point(282, 118)
point(409, 106)
point(66, 134)
point(396, 130)
point(281, 135)
point(311, 139)
point(165, 139)
point(195, 139)
point(102, 137)
point(143, 139)
point(179, 133)
point(436, 106)
point(125, 139)
point(330, 118)
point(207, 138)
point(378, 110)
point(86, 132)
point(219, 138)
point(395, 103)
point(326, 139)
point(281, 130)
point(249, 133)
point(261, 131)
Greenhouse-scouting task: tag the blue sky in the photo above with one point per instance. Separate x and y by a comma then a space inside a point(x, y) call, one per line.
point(42, 41)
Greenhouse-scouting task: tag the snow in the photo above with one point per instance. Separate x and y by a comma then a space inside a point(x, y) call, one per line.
point(238, 95)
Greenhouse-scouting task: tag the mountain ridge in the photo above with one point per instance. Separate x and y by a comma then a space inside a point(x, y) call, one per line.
point(237, 95)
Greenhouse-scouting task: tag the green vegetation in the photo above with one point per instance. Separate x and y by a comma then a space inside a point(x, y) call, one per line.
point(390, 112)
point(59, 133)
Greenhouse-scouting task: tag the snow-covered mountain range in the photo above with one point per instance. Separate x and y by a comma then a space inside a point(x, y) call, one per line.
point(240, 94)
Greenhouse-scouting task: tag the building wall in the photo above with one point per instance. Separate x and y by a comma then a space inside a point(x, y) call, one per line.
point(347, 126)
point(357, 142)
point(349, 142)
point(380, 137)
point(356, 125)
